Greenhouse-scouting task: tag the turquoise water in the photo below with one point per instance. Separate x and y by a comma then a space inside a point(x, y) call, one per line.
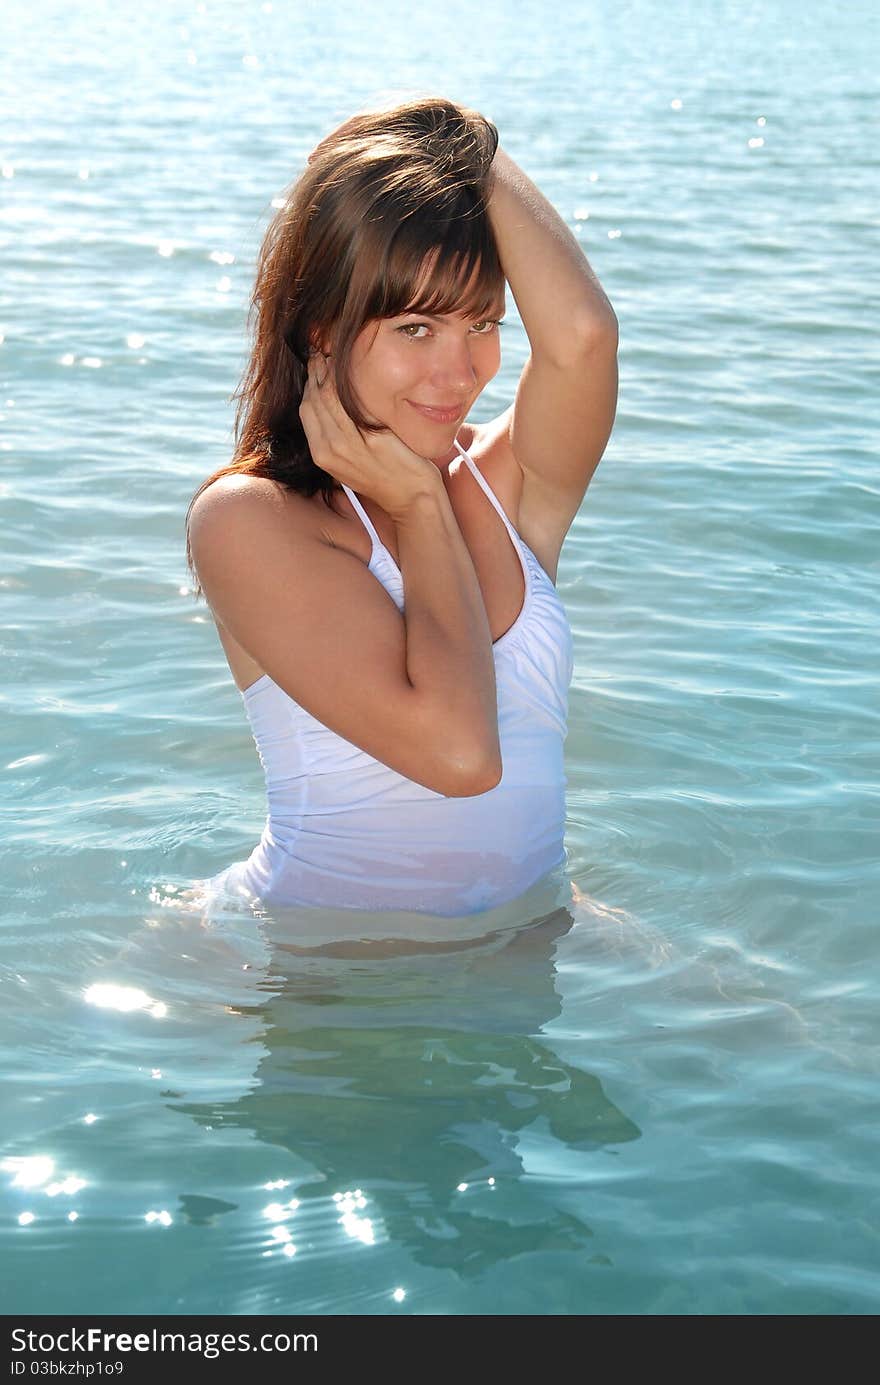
point(654, 1094)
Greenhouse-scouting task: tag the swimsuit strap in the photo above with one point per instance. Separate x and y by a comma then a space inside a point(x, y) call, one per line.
point(519, 544)
point(378, 545)
point(368, 523)
point(487, 489)
point(475, 471)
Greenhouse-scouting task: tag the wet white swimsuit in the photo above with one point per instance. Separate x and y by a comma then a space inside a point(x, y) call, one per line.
point(345, 831)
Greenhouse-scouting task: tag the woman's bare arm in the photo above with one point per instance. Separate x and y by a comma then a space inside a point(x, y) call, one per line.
point(449, 659)
point(416, 692)
point(566, 399)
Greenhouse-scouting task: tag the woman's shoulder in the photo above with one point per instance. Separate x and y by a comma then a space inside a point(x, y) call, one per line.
point(488, 446)
point(238, 484)
point(241, 492)
point(477, 439)
point(240, 512)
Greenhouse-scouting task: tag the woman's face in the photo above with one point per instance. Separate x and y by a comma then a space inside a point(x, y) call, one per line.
point(420, 375)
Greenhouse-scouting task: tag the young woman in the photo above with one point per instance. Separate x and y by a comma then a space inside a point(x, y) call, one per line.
point(381, 570)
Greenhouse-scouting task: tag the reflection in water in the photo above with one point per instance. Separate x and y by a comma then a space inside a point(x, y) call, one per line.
point(397, 1072)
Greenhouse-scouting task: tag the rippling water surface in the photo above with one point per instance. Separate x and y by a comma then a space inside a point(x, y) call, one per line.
point(652, 1093)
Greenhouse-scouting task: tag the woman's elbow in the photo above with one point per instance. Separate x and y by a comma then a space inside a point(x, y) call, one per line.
point(471, 780)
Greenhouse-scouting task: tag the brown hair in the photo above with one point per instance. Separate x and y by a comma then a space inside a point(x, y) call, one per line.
point(378, 195)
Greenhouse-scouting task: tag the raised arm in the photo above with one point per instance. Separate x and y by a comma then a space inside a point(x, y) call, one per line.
point(566, 399)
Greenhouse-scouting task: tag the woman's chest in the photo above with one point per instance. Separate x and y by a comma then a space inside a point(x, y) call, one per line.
point(493, 551)
point(496, 561)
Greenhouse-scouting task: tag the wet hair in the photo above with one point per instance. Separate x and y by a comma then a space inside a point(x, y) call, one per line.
point(389, 216)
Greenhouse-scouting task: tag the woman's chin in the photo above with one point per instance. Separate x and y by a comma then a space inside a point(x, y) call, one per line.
point(440, 450)
point(427, 438)
point(441, 460)
point(448, 457)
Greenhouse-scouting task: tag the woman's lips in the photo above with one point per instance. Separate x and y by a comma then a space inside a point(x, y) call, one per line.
point(437, 415)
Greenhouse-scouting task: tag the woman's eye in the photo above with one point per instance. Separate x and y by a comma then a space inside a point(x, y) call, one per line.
point(483, 328)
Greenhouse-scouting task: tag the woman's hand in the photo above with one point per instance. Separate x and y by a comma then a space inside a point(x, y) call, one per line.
point(378, 465)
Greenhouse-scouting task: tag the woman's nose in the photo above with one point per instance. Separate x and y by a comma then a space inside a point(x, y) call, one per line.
point(454, 366)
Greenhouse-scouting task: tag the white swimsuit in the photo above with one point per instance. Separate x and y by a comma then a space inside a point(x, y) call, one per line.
point(345, 831)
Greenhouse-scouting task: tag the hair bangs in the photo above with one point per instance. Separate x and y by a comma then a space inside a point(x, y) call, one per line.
point(459, 273)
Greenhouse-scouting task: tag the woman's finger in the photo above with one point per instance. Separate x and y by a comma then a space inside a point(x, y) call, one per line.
point(326, 388)
point(313, 385)
point(317, 393)
point(337, 433)
point(321, 413)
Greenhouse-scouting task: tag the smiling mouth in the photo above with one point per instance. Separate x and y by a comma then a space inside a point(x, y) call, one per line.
point(438, 415)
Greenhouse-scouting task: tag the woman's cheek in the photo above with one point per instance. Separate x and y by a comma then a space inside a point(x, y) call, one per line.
point(372, 379)
point(400, 370)
point(493, 358)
